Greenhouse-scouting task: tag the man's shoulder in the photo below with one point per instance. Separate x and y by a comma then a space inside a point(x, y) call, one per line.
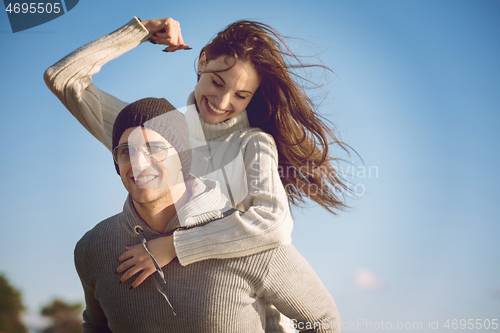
point(276, 257)
point(256, 267)
point(105, 226)
point(100, 232)
point(268, 256)
point(281, 251)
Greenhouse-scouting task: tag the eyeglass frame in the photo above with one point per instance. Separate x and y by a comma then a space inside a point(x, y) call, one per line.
point(141, 148)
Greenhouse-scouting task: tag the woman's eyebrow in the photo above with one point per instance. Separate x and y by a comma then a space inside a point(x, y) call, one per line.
point(241, 91)
point(219, 77)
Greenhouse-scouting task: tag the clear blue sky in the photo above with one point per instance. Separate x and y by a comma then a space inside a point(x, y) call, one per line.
point(415, 90)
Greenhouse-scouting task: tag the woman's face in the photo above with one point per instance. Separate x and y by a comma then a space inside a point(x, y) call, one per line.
point(221, 93)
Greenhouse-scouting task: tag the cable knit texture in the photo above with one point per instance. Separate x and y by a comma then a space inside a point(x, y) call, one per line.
point(267, 221)
point(216, 295)
point(248, 155)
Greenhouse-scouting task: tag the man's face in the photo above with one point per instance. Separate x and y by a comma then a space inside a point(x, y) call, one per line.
point(147, 180)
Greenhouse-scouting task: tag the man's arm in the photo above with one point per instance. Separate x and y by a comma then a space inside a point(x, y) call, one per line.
point(294, 288)
point(95, 320)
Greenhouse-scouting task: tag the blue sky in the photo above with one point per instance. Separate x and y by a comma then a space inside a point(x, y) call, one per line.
point(415, 91)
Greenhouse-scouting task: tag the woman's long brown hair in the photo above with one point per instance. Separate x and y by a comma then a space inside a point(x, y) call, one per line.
point(282, 108)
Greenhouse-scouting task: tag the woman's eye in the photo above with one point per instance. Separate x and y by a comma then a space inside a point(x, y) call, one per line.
point(216, 84)
point(241, 97)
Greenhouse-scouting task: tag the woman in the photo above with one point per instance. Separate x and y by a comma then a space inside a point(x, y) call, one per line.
point(245, 96)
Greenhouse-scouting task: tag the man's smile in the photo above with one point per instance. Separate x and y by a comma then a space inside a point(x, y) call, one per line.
point(141, 180)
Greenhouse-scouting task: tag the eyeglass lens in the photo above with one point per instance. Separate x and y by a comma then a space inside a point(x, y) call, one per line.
point(155, 150)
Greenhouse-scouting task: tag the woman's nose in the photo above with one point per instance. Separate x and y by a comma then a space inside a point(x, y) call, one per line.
point(223, 101)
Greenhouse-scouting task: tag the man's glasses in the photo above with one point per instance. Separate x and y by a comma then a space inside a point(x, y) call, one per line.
point(157, 151)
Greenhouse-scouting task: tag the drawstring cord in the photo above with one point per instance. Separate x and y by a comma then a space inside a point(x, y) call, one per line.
point(138, 230)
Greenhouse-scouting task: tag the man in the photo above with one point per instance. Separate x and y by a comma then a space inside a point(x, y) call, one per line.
point(152, 156)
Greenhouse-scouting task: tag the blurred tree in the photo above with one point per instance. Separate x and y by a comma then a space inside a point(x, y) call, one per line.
point(65, 317)
point(11, 308)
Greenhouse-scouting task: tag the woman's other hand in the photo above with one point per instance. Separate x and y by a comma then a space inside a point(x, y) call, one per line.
point(166, 32)
point(136, 259)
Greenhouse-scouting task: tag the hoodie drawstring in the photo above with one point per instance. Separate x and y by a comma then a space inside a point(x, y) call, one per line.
point(138, 230)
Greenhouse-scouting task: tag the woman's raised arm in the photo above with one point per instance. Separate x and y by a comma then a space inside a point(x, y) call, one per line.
point(70, 79)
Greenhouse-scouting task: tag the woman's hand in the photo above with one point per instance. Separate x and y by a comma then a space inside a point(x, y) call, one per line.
point(136, 259)
point(166, 32)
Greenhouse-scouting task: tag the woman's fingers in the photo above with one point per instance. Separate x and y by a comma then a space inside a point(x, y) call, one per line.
point(124, 266)
point(133, 266)
point(172, 43)
point(146, 271)
point(125, 256)
point(134, 256)
point(128, 274)
point(153, 26)
point(144, 275)
point(132, 251)
point(169, 39)
point(166, 32)
point(136, 259)
point(178, 47)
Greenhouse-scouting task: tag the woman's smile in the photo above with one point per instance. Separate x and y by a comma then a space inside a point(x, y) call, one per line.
point(212, 107)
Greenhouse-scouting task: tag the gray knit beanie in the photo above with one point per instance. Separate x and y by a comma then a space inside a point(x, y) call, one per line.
point(160, 116)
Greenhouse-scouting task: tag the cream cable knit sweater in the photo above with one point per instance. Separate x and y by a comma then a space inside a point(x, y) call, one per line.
point(266, 222)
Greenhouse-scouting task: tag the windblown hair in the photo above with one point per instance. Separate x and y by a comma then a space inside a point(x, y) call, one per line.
point(282, 108)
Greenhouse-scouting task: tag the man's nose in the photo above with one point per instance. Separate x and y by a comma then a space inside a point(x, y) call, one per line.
point(140, 160)
point(223, 101)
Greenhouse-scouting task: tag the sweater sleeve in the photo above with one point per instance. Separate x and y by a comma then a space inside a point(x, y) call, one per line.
point(95, 320)
point(266, 222)
point(294, 288)
point(70, 79)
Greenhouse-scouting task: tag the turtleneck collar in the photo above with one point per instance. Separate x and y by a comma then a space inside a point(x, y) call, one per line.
point(130, 219)
point(201, 130)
